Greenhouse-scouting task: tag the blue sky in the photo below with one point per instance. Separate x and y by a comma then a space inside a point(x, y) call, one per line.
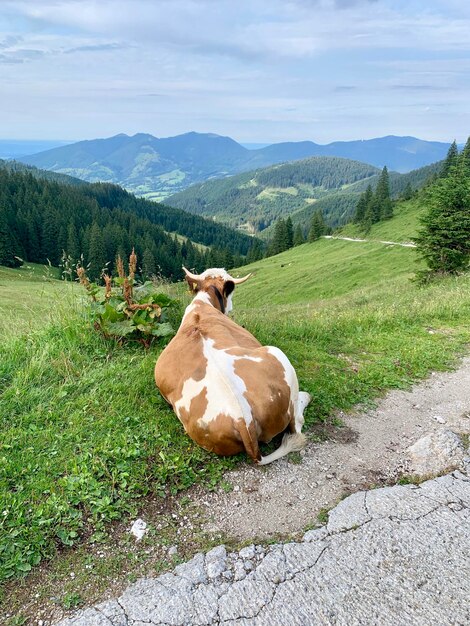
point(256, 70)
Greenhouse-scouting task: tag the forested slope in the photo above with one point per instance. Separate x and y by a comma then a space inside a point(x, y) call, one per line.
point(40, 219)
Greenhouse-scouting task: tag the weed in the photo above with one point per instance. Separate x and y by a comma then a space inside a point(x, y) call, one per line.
point(295, 458)
point(129, 311)
point(71, 601)
point(411, 479)
point(226, 486)
point(17, 620)
point(322, 516)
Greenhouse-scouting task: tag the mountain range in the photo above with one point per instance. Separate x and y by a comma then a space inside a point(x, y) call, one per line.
point(159, 167)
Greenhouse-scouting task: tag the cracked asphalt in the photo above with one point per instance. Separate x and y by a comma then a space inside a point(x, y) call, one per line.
point(390, 557)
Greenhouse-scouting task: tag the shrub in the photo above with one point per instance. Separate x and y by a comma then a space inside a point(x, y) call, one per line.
point(126, 310)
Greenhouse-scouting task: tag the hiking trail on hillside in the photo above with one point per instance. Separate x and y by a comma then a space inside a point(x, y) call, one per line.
point(404, 244)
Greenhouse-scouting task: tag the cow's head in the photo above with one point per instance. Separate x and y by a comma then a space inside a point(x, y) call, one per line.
point(217, 284)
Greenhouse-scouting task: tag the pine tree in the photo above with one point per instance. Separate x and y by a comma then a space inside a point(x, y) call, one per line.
point(7, 243)
point(255, 253)
point(369, 216)
point(149, 267)
point(280, 239)
point(383, 202)
point(465, 157)
point(444, 242)
point(407, 193)
point(96, 253)
point(290, 233)
point(360, 209)
point(73, 246)
point(298, 236)
point(228, 259)
point(451, 159)
point(317, 226)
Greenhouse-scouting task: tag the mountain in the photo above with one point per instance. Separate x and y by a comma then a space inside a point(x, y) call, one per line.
point(252, 201)
point(400, 154)
point(145, 165)
point(157, 168)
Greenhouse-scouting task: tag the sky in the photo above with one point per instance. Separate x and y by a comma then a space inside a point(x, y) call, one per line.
point(255, 70)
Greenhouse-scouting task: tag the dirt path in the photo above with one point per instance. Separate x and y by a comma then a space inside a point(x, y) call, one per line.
point(369, 450)
point(406, 244)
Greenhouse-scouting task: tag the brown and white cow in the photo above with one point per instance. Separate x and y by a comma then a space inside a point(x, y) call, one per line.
point(228, 390)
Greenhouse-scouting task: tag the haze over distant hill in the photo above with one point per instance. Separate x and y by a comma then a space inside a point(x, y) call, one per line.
point(156, 168)
point(16, 148)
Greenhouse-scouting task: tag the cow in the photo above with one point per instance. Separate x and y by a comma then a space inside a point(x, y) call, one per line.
point(229, 391)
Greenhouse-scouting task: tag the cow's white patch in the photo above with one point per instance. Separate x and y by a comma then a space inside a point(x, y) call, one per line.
point(216, 272)
point(289, 376)
point(224, 389)
point(229, 305)
point(202, 296)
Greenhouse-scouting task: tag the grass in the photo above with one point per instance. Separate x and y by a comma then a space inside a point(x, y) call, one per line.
point(401, 228)
point(86, 436)
point(27, 296)
point(312, 273)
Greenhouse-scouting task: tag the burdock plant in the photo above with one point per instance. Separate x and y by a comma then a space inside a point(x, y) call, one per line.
point(125, 309)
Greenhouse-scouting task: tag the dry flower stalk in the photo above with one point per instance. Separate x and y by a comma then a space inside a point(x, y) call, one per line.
point(83, 279)
point(120, 267)
point(132, 264)
point(127, 291)
point(108, 282)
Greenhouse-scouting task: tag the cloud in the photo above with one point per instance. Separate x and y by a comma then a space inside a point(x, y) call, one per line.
point(344, 88)
point(99, 47)
point(274, 69)
point(418, 88)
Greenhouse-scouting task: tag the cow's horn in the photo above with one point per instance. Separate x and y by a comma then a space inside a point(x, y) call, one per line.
point(238, 281)
point(190, 275)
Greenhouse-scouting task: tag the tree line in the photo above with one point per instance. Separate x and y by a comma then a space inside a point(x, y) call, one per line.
point(374, 206)
point(41, 220)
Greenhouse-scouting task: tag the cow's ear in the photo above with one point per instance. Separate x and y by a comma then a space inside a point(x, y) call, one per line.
point(194, 285)
point(229, 286)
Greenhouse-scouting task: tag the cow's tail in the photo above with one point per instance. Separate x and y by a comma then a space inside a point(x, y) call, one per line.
point(250, 439)
point(293, 442)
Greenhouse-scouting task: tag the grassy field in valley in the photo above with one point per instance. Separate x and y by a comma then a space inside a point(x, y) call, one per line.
point(85, 434)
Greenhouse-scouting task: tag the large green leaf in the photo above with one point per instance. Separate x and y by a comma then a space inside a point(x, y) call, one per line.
point(163, 330)
point(121, 329)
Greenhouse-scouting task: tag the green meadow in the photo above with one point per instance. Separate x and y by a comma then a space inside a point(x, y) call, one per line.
point(86, 436)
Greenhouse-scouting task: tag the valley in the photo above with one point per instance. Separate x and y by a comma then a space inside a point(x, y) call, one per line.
point(106, 445)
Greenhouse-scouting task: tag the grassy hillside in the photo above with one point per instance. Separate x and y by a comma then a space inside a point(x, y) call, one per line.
point(30, 292)
point(254, 200)
point(401, 228)
point(327, 269)
point(86, 436)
